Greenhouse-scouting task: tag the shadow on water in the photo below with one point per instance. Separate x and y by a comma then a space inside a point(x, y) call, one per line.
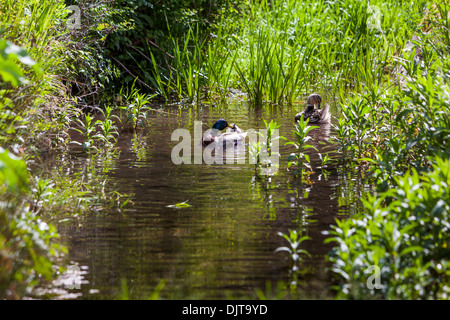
point(223, 244)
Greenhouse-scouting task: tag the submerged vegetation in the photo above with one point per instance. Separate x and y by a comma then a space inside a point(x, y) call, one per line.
point(388, 72)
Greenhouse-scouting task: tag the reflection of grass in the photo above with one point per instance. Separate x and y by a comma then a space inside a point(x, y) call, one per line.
point(81, 189)
point(155, 295)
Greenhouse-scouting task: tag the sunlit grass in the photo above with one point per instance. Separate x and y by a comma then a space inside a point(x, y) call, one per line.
point(285, 49)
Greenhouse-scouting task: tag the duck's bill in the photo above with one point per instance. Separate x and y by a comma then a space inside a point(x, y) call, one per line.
point(230, 126)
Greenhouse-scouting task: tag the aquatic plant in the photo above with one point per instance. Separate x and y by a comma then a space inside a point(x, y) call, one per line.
point(136, 107)
point(191, 63)
point(88, 131)
point(184, 71)
point(270, 135)
point(299, 160)
point(163, 88)
point(294, 239)
point(255, 149)
point(108, 129)
point(42, 189)
point(274, 51)
point(325, 161)
point(220, 64)
point(401, 233)
point(262, 151)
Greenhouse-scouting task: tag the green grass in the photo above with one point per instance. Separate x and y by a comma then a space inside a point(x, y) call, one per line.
point(280, 51)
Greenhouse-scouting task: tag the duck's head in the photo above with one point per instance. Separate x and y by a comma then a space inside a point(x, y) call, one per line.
point(315, 100)
point(221, 124)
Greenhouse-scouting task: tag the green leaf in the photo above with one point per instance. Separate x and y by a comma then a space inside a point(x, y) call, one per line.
point(292, 143)
point(180, 205)
point(306, 157)
point(411, 249)
point(13, 171)
point(11, 72)
point(283, 249)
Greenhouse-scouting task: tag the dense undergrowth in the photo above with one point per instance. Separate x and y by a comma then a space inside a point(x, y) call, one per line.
point(279, 51)
point(399, 136)
point(393, 128)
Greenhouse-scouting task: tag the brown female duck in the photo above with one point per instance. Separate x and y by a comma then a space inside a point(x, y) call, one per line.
point(315, 115)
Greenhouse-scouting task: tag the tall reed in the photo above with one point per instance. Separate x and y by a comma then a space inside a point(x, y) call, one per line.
point(279, 51)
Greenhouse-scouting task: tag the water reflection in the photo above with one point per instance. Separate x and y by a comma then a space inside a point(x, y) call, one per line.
point(223, 244)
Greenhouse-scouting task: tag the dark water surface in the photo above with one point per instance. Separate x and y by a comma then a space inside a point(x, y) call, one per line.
point(223, 245)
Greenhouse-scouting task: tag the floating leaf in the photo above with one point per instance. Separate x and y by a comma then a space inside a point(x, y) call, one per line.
point(180, 205)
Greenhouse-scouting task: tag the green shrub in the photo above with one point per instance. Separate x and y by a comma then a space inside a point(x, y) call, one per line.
point(27, 249)
point(399, 135)
point(403, 231)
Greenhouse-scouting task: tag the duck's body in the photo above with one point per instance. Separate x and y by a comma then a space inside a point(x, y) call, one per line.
point(232, 137)
point(315, 115)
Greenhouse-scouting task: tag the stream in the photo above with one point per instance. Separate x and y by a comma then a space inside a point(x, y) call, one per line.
point(222, 245)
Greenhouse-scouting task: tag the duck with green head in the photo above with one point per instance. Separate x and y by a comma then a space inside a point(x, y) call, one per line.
point(215, 135)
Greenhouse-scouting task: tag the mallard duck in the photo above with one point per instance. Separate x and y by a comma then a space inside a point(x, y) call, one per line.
point(315, 115)
point(233, 135)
